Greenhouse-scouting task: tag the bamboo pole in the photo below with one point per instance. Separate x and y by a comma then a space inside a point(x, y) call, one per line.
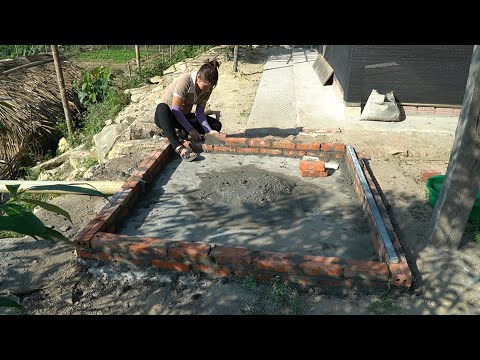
point(61, 87)
point(235, 58)
point(105, 187)
point(137, 58)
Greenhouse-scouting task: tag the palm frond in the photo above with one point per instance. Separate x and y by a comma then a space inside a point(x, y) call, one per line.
point(29, 116)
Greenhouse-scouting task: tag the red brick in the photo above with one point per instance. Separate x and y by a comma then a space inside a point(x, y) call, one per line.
point(156, 154)
point(273, 261)
point(132, 184)
point(249, 150)
point(163, 158)
point(313, 173)
point(314, 165)
point(145, 164)
point(149, 248)
point(307, 173)
point(444, 111)
point(304, 165)
point(427, 174)
point(83, 238)
point(106, 241)
point(102, 256)
point(170, 265)
point(126, 197)
point(163, 151)
point(333, 147)
point(339, 148)
point(138, 173)
point(379, 249)
point(85, 254)
point(308, 146)
point(321, 265)
point(283, 144)
point(293, 153)
point(233, 255)
point(373, 270)
point(261, 143)
point(426, 110)
point(219, 136)
point(188, 251)
point(410, 109)
point(302, 280)
point(400, 274)
point(271, 151)
point(110, 213)
point(232, 141)
point(164, 145)
point(95, 255)
point(224, 148)
point(131, 261)
point(207, 148)
point(217, 271)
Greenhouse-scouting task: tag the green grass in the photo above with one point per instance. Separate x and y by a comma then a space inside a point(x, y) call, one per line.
point(386, 305)
point(283, 293)
point(4, 234)
point(86, 163)
point(249, 283)
point(277, 297)
point(472, 229)
point(114, 55)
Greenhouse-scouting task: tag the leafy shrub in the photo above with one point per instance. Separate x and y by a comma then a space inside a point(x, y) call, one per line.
point(95, 85)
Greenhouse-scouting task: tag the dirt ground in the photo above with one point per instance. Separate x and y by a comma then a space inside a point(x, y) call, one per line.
point(49, 279)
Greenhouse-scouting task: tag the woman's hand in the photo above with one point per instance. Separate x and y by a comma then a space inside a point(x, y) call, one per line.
point(195, 135)
point(214, 132)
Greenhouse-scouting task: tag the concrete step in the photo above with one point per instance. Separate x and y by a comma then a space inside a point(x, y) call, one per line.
point(274, 109)
point(291, 99)
point(318, 108)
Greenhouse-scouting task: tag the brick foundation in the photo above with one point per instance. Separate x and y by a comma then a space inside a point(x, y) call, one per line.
point(98, 240)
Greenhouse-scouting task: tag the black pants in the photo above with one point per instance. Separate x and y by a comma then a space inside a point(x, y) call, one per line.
point(166, 121)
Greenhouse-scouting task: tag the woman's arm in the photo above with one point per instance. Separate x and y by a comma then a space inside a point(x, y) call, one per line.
point(177, 104)
point(202, 118)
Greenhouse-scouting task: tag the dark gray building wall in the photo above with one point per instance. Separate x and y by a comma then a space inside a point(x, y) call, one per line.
point(339, 57)
point(418, 74)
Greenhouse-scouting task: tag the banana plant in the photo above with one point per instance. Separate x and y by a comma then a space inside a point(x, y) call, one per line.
point(15, 216)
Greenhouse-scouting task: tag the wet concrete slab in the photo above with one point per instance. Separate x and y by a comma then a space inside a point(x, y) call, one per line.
point(258, 202)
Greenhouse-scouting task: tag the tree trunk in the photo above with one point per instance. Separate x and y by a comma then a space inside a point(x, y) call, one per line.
point(235, 58)
point(462, 179)
point(61, 86)
point(137, 57)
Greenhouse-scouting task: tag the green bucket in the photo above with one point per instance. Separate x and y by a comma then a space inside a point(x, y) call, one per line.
point(434, 185)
